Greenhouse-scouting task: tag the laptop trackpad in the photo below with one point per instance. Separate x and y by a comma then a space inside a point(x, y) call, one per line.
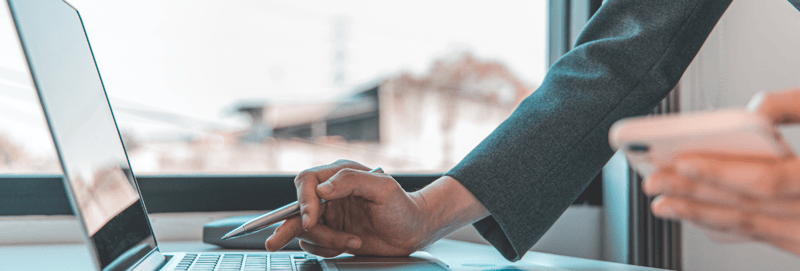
point(417, 261)
point(388, 266)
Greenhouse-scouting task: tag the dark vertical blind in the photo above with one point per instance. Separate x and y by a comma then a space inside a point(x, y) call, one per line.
point(654, 242)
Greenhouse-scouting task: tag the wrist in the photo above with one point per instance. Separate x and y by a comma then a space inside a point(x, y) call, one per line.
point(446, 206)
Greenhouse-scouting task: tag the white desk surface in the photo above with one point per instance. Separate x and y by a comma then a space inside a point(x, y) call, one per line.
point(457, 254)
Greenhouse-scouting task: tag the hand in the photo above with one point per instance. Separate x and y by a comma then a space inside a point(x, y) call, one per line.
point(367, 214)
point(370, 214)
point(756, 198)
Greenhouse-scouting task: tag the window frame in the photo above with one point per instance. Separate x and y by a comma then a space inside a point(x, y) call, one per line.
point(45, 195)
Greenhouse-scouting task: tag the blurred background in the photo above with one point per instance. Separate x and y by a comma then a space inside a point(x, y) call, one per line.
point(249, 86)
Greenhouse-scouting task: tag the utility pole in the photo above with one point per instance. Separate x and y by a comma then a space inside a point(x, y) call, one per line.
point(340, 38)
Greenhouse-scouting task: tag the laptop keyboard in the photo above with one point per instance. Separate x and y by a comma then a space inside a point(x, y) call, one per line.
point(249, 262)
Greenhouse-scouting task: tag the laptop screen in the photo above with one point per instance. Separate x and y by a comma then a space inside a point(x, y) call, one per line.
point(101, 187)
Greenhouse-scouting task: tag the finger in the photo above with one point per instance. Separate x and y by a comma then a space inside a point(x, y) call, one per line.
point(661, 183)
point(665, 181)
point(284, 234)
point(761, 178)
point(372, 186)
point(324, 236)
point(750, 223)
point(781, 107)
point(318, 250)
point(670, 207)
point(306, 183)
point(669, 183)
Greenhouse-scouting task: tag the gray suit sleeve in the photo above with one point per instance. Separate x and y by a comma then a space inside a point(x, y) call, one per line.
point(534, 165)
point(795, 3)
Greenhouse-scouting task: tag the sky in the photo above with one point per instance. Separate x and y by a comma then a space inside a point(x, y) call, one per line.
point(197, 59)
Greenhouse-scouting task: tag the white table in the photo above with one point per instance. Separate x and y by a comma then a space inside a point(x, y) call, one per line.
point(457, 254)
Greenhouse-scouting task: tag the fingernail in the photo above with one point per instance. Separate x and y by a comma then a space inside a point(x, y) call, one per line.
point(325, 188)
point(661, 208)
point(266, 243)
point(353, 243)
point(306, 221)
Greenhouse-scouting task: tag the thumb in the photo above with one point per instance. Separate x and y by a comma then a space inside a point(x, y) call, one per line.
point(780, 107)
point(373, 186)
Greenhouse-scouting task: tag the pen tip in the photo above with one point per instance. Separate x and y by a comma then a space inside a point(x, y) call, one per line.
point(232, 234)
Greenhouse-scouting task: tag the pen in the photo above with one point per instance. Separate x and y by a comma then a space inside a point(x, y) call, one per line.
point(275, 216)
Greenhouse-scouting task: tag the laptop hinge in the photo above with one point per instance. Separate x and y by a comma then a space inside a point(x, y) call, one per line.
point(153, 261)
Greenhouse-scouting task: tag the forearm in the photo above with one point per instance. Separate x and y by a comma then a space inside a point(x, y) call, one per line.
point(534, 165)
point(447, 206)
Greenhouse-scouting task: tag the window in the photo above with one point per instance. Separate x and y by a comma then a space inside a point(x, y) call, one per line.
point(270, 88)
point(25, 143)
point(280, 86)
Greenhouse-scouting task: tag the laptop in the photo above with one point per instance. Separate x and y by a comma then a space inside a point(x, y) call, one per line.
point(98, 178)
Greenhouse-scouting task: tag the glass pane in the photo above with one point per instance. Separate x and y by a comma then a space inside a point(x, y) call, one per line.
point(25, 143)
point(264, 87)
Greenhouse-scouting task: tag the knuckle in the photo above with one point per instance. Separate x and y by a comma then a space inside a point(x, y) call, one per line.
point(302, 176)
point(394, 187)
point(384, 181)
point(388, 183)
point(343, 162)
point(347, 173)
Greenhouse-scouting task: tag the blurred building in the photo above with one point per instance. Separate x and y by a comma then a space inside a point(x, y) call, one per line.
point(14, 159)
point(404, 123)
point(353, 119)
point(439, 117)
